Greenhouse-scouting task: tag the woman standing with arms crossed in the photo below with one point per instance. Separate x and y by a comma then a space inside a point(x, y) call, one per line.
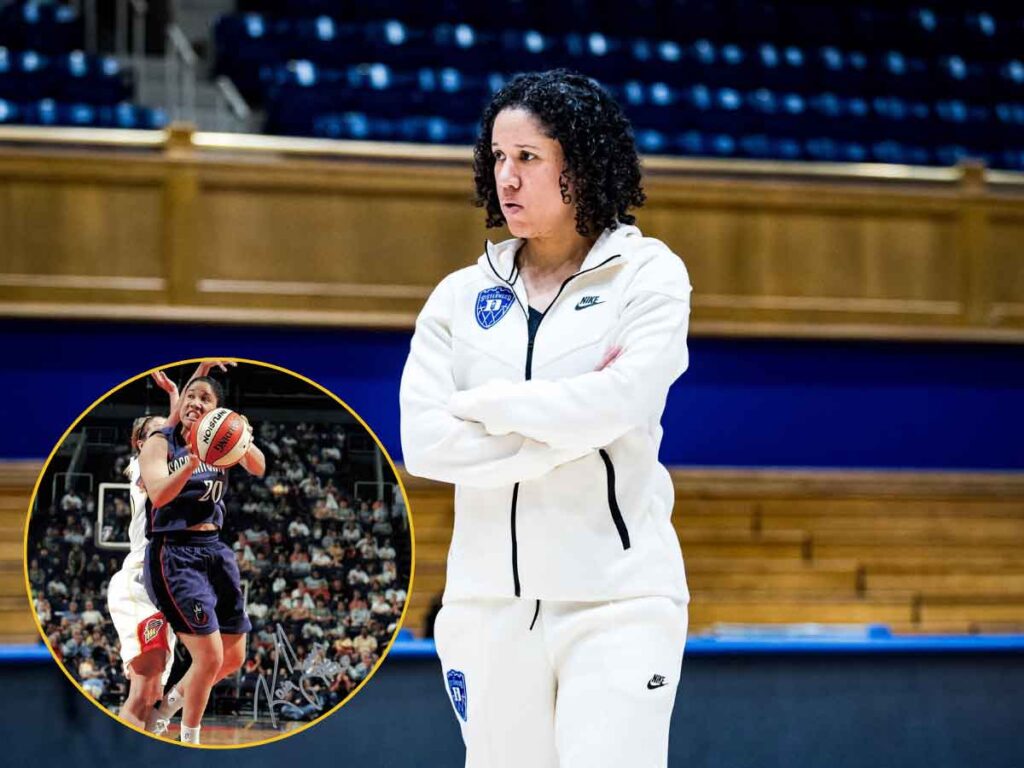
point(536, 383)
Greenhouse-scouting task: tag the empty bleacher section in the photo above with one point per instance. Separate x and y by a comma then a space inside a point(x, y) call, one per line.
point(916, 83)
point(47, 79)
point(921, 553)
point(16, 481)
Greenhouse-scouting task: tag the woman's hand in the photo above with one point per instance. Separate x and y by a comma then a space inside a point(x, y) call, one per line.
point(208, 365)
point(168, 386)
point(610, 356)
point(253, 461)
point(165, 383)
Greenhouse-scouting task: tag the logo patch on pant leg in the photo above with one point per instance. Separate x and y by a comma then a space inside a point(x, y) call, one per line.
point(152, 633)
point(457, 690)
point(199, 614)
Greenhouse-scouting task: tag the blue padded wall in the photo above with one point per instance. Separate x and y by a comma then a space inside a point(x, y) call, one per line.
point(744, 402)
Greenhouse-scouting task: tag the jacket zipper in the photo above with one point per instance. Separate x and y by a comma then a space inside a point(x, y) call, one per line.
point(529, 373)
point(531, 334)
point(613, 502)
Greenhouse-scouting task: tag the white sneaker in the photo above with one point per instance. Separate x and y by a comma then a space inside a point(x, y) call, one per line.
point(156, 724)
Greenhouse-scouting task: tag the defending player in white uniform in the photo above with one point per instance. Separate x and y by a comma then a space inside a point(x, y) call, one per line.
point(536, 383)
point(147, 641)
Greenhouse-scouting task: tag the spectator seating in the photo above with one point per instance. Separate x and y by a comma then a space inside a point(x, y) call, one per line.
point(46, 79)
point(809, 81)
point(16, 625)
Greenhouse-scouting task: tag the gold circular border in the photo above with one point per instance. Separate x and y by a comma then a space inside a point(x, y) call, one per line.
point(387, 648)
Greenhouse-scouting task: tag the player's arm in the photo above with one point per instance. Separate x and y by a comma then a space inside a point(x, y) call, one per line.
point(253, 461)
point(163, 486)
point(203, 369)
point(441, 446)
point(596, 408)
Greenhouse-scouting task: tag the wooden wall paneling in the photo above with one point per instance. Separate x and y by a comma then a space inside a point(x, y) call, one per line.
point(180, 237)
point(806, 255)
point(1006, 260)
point(271, 230)
point(345, 237)
point(72, 228)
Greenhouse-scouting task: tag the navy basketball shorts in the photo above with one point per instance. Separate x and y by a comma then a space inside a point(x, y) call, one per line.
point(193, 578)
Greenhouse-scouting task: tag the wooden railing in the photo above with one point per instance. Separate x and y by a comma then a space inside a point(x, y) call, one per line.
point(257, 229)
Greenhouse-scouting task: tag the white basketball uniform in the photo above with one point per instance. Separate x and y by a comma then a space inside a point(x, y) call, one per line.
point(140, 625)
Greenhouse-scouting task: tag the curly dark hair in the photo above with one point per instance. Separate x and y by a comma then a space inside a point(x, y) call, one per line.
point(600, 153)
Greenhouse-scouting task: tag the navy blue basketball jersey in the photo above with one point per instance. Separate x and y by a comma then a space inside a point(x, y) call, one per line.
point(201, 500)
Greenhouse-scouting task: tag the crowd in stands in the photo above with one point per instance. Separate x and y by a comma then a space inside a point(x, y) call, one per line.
point(326, 573)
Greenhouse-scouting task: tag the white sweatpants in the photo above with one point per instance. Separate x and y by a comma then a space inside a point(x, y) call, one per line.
point(590, 685)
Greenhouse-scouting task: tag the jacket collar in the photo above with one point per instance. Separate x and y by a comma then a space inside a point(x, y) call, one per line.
point(498, 260)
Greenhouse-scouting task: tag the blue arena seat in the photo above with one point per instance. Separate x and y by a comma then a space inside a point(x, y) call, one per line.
point(447, 91)
point(245, 45)
point(1008, 79)
point(45, 27)
point(320, 39)
point(66, 89)
point(10, 112)
point(463, 47)
point(351, 126)
point(25, 75)
point(396, 43)
point(527, 50)
point(651, 141)
point(77, 114)
point(94, 79)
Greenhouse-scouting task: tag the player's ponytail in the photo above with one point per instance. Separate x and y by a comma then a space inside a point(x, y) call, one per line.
point(138, 430)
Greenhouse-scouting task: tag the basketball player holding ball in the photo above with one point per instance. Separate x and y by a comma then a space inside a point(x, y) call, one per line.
point(535, 384)
point(146, 640)
point(190, 573)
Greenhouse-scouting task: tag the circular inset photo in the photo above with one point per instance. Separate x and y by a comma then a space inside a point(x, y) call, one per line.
point(219, 552)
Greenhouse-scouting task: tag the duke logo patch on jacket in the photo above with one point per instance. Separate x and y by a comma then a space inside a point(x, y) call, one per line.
point(492, 304)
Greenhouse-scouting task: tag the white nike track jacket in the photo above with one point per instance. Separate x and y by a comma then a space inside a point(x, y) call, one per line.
point(559, 494)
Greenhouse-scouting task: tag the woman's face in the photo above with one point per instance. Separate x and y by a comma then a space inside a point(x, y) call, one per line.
point(527, 167)
point(197, 401)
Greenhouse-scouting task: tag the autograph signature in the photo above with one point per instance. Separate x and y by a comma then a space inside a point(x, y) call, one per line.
point(313, 667)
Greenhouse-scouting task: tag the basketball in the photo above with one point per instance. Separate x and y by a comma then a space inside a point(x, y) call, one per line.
point(220, 438)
